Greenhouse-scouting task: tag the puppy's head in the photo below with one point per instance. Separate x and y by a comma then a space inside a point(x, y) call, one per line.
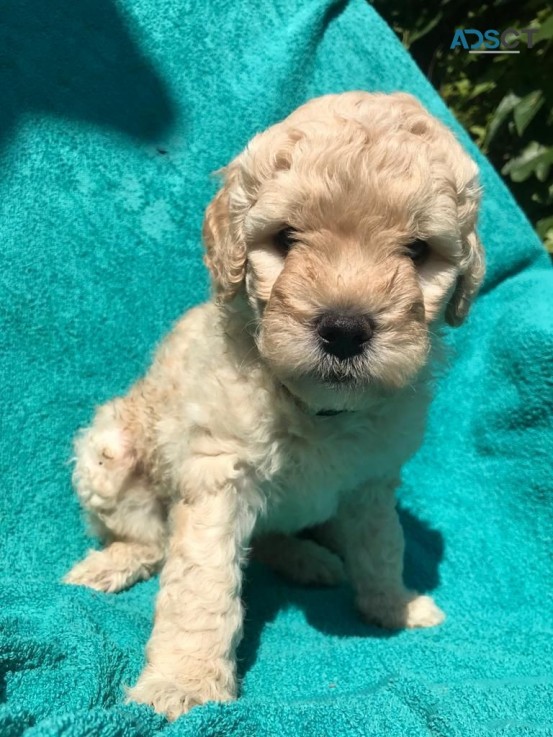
point(350, 227)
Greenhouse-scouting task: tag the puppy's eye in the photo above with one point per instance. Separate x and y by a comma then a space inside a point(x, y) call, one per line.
point(418, 251)
point(284, 240)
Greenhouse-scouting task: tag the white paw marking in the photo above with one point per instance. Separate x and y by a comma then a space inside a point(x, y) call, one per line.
point(399, 611)
point(423, 612)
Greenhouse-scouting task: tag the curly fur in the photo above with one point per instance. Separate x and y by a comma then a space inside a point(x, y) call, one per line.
point(222, 446)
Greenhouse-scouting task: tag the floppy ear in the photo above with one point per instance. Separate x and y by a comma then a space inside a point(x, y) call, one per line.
point(472, 254)
point(224, 240)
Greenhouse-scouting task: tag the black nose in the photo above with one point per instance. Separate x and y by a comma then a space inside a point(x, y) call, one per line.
point(344, 336)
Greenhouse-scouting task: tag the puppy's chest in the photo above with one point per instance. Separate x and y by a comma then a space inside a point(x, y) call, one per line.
point(315, 468)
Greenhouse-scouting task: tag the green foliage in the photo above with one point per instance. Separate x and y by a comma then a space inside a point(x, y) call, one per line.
point(505, 101)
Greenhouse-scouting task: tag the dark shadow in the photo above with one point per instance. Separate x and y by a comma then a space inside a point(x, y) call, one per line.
point(76, 59)
point(332, 610)
point(424, 551)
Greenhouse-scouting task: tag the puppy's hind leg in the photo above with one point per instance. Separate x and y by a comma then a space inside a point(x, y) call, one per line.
point(300, 560)
point(122, 507)
point(135, 530)
point(116, 568)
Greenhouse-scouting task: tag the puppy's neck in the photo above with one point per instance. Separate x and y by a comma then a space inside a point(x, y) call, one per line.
point(237, 320)
point(313, 412)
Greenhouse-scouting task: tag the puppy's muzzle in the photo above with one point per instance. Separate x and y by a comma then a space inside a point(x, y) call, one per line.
point(343, 336)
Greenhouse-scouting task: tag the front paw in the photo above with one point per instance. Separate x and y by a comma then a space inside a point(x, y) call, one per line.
point(174, 696)
point(402, 610)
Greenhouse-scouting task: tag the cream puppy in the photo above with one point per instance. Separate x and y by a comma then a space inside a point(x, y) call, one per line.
point(341, 241)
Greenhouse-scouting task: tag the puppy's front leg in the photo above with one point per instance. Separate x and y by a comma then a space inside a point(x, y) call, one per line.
point(370, 537)
point(198, 620)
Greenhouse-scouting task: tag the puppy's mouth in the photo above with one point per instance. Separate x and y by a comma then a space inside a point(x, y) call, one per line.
point(330, 387)
point(341, 374)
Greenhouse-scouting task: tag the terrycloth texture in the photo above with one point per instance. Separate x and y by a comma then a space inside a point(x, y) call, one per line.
point(112, 116)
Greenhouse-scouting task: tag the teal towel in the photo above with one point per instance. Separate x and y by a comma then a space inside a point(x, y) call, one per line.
point(112, 116)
